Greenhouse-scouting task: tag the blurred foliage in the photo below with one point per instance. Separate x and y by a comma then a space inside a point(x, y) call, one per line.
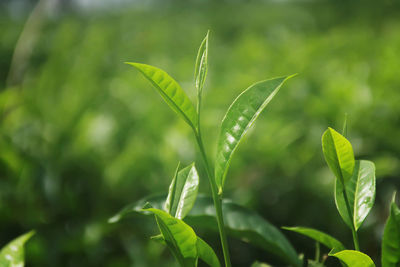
point(82, 134)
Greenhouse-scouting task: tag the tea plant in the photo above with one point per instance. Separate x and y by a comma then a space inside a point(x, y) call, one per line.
point(354, 198)
point(232, 218)
point(182, 207)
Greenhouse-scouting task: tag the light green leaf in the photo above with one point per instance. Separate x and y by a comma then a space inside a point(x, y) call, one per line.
point(170, 91)
point(201, 67)
point(182, 192)
point(239, 118)
point(360, 191)
point(323, 238)
point(338, 154)
point(178, 236)
point(12, 255)
point(391, 238)
point(206, 253)
point(246, 225)
point(354, 258)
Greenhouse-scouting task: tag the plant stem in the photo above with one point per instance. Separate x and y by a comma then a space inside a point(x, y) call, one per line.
point(217, 201)
point(317, 251)
point(353, 228)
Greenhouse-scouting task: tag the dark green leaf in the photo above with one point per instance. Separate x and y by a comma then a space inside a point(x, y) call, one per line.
point(246, 225)
point(182, 192)
point(201, 67)
point(391, 238)
point(170, 91)
point(323, 238)
point(178, 236)
point(239, 118)
point(206, 253)
point(12, 255)
point(354, 258)
point(360, 191)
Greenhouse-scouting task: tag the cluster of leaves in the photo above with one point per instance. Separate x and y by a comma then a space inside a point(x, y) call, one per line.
point(354, 198)
point(354, 187)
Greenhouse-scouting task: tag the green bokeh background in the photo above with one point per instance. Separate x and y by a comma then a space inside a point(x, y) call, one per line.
point(83, 134)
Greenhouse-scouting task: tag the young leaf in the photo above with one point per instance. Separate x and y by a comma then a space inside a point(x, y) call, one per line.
point(338, 154)
point(201, 67)
point(206, 253)
point(246, 225)
point(170, 91)
point(178, 236)
point(12, 255)
point(239, 118)
point(182, 192)
point(354, 258)
point(391, 238)
point(325, 239)
point(360, 191)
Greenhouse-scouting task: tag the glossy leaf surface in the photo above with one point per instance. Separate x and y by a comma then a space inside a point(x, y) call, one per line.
point(391, 238)
point(206, 253)
point(201, 67)
point(239, 118)
point(240, 222)
point(182, 192)
point(12, 255)
point(338, 154)
point(360, 191)
point(178, 236)
point(170, 91)
point(323, 238)
point(354, 258)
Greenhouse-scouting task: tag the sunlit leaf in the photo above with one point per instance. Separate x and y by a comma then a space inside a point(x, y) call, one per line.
point(239, 118)
point(360, 191)
point(391, 238)
point(260, 264)
point(12, 255)
point(178, 236)
point(354, 258)
point(182, 192)
point(206, 253)
point(338, 154)
point(323, 238)
point(201, 67)
point(170, 91)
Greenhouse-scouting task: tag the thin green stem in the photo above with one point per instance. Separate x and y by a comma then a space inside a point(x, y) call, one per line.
point(317, 251)
point(353, 228)
point(217, 201)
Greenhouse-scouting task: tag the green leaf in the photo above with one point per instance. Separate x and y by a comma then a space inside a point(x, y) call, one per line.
point(360, 191)
point(354, 258)
point(239, 118)
point(206, 253)
point(323, 238)
point(201, 67)
point(170, 91)
point(244, 224)
point(178, 236)
point(338, 154)
point(240, 222)
point(344, 131)
point(12, 255)
point(182, 192)
point(391, 238)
